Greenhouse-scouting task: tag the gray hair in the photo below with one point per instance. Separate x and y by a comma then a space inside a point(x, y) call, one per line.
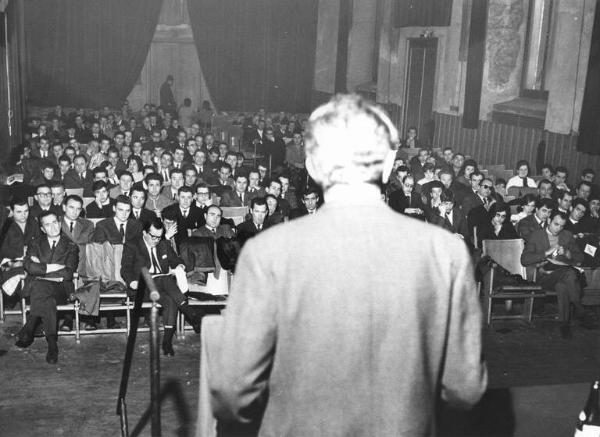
point(347, 141)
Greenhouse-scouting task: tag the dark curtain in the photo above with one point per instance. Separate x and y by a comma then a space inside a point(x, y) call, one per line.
point(589, 123)
point(256, 54)
point(422, 13)
point(341, 64)
point(475, 60)
point(86, 53)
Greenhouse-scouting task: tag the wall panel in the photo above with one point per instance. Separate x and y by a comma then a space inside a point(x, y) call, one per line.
point(495, 143)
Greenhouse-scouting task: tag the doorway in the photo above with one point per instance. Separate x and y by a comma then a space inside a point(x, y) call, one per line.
point(419, 90)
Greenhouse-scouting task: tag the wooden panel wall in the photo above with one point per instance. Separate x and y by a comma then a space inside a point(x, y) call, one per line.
point(495, 143)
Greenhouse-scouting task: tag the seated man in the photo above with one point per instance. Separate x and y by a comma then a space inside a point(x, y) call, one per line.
point(537, 220)
point(50, 263)
point(153, 252)
point(254, 183)
point(239, 196)
point(46, 175)
point(43, 197)
point(156, 201)
point(188, 215)
point(310, 201)
point(138, 212)
point(58, 193)
point(553, 251)
point(274, 188)
point(288, 193)
point(102, 206)
point(124, 187)
point(225, 182)
point(177, 181)
point(575, 223)
point(256, 223)
point(79, 176)
point(213, 226)
point(120, 228)
point(450, 218)
point(406, 202)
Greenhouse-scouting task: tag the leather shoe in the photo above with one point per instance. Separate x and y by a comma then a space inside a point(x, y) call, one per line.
point(24, 342)
point(52, 356)
point(67, 326)
point(565, 332)
point(90, 326)
point(168, 349)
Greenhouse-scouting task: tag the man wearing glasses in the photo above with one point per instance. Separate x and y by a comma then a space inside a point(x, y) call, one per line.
point(44, 202)
point(476, 206)
point(156, 254)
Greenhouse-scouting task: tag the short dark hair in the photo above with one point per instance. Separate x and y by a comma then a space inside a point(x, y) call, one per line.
point(46, 214)
point(556, 212)
point(123, 199)
point(56, 184)
point(137, 189)
point(155, 222)
point(224, 165)
point(98, 185)
point(74, 197)
point(583, 202)
point(125, 173)
point(80, 156)
point(258, 201)
point(175, 170)
point(41, 186)
point(583, 183)
point(447, 196)
point(185, 189)
point(588, 171)
point(64, 158)
point(562, 169)
point(153, 177)
point(18, 201)
point(544, 181)
point(544, 201)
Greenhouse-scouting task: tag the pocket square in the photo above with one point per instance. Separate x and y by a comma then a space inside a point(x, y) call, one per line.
point(164, 256)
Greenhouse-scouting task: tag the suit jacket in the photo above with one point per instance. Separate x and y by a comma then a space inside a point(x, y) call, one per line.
point(247, 230)
point(538, 244)
point(106, 230)
point(399, 202)
point(158, 204)
point(470, 201)
point(194, 220)
point(223, 230)
point(72, 180)
point(36, 210)
point(116, 192)
point(231, 198)
point(15, 239)
point(66, 253)
point(296, 362)
point(94, 211)
point(136, 256)
point(146, 216)
point(526, 226)
point(82, 235)
point(458, 225)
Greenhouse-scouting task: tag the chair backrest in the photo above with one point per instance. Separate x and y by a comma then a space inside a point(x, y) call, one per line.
point(521, 191)
point(236, 213)
point(507, 253)
point(74, 191)
point(95, 220)
point(87, 201)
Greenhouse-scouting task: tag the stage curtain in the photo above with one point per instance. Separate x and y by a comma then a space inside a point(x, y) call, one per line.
point(589, 123)
point(422, 13)
point(86, 53)
point(256, 54)
point(475, 61)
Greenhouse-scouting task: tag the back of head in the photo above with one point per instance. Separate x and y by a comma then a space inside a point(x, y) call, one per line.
point(347, 142)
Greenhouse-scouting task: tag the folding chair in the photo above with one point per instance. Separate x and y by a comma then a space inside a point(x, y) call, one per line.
point(507, 253)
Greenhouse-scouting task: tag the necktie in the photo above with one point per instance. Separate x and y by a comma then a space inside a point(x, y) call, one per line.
point(122, 231)
point(524, 181)
point(259, 227)
point(81, 177)
point(184, 213)
point(137, 214)
point(71, 227)
point(155, 264)
point(52, 249)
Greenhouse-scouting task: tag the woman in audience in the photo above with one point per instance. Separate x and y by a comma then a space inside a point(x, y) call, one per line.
point(135, 166)
point(522, 178)
point(468, 167)
point(526, 208)
point(497, 227)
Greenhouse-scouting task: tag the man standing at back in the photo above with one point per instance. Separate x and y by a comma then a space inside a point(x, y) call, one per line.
point(316, 339)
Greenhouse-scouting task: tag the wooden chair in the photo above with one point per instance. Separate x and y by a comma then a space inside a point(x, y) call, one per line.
point(75, 191)
point(507, 253)
point(521, 191)
point(87, 201)
point(237, 213)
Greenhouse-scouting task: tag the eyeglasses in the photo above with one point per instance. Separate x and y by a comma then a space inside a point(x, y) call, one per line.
point(487, 187)
point(155, 237)
point(44, 194)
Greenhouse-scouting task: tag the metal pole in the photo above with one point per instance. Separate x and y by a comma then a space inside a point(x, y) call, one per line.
point(154, 371)
point(124, 425)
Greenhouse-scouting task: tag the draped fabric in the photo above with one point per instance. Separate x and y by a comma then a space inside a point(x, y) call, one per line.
point(589, 124)
point(256, 54)
point(86, 53)
point(422, 13)
point(475, 61)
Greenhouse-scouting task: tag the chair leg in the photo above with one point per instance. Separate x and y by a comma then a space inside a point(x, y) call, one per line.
point(128, 315)
point(23, 311)
point(489, 310)
point(529, 308)
point(1, 307)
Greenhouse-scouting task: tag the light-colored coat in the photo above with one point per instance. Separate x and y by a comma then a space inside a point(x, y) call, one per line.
point(349, 322)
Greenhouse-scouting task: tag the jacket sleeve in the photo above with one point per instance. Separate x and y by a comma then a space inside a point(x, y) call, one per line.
point(128, 264)
point(533, 252)
point(577, 255)
point(242, 364)
point(31, 267)
point(70, 261)
point(464, 374)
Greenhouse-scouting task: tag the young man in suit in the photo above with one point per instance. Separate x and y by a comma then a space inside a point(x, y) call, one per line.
point(124, 187)
point(120, 228)
point(79, 176)
point(43, 197)
point(50, 263)
point(189, 216)
point(138, 212)
point(450, 218)
point(310, 202)
point(256, 222)
point(102, 206)
point(297, 361)
point(406, 201)
point(553, 251)
point(213, 227)
point(156, 254)
point(537, 220)
point(239, 196)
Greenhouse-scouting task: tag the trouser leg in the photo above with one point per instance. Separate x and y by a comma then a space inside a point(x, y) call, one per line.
point(43, 305)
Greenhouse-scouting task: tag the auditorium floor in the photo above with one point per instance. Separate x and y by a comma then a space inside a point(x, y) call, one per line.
point(78, 396)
